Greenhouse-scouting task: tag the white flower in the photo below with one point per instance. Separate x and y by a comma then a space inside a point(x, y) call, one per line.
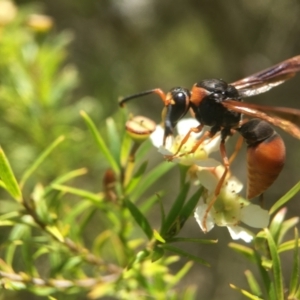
point(199, 157)
point(229, 209)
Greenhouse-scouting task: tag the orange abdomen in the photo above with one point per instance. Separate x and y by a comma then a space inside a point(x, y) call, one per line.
point(265, 161)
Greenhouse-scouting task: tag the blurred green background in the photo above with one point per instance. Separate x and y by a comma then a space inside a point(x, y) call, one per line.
point(123, 47)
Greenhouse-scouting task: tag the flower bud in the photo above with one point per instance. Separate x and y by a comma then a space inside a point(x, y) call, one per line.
point(40, 23)
point(139, 128)
point(8, 12)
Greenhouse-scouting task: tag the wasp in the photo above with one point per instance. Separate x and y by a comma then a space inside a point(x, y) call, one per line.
point(219, 105)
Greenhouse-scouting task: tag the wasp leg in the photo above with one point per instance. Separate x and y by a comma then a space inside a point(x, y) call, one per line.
point(185, 139)
point(237, 148)
point(219, 185)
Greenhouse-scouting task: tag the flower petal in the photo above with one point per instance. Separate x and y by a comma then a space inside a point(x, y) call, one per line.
point(238, 232)
point(207, 163)
point(157, 136)
point(208, 179)
point(212, 145)
point(199, 215)
point(185, 125)
point(255, 216)
point(234, 185)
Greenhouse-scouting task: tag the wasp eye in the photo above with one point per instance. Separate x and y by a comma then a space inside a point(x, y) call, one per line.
point(180, 95)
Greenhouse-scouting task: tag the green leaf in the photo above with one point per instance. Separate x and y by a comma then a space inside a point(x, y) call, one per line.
point(268, 284)
point(134, 181)
point(39, 160)
point(287, 246)
point(181, 273)
point(191, 240)
point(114, 138)
point(253, 284)
point(283, 200)
point(294, 281)
point(64, 178)
point(95, 198)
point(144, 149)
point(185, 254)
point(139, 218)
point(101, 144)
point(175, 210)
point(277, 271)
point(183, 172)
point(190, 205)
point(276, 224)
point(125, 149)
point(245, 293)
point(149, 202)
point(77, 210)
point(286, 226)
point(151, 177)
point(247, 252)
point(54, 231)
point(8, 177)
point(157, 253)
point(41, 209)
point(9, 215)
point(162, 210)
point(158, 237)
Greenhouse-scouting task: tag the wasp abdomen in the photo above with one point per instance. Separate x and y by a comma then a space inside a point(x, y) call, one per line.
point(265, 155)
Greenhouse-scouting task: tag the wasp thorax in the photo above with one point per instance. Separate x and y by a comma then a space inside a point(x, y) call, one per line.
point(218, 88)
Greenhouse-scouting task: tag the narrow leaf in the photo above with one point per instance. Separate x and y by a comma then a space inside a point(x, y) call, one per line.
point(125, 149)
point(149, 202)
point(158, 237)
point(294, 281)
point(185, 254)
point(39, 160)
point(286, 226)
point(134, 181)
point(114, 138)
point(290, 194)
point(276, 224)
point(245, 293)
point(162, 210)
point(247, 252)
point(95, 198)
point(191, 204)
point(154, 175)
point(181, 273)
point(287, 246)
point(65, 177)
point(191, 240)
point(157, 253)
point(54, 231)
point(8, 177)
point(175, 209)
point(139, 218)
point(277, 272)
point(268, 284)
point(253, 284)
point(100, 142)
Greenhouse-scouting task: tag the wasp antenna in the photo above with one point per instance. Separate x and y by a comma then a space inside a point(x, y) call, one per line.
point(141, 94)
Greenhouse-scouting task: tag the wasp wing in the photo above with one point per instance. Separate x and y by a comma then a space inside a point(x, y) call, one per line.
point(287, 119)
point(265, 80)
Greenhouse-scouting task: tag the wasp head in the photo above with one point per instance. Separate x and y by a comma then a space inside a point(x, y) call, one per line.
point(177, 104)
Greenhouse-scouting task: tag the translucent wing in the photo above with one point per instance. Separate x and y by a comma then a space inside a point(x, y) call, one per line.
point(265, 80)
point(287, 119)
